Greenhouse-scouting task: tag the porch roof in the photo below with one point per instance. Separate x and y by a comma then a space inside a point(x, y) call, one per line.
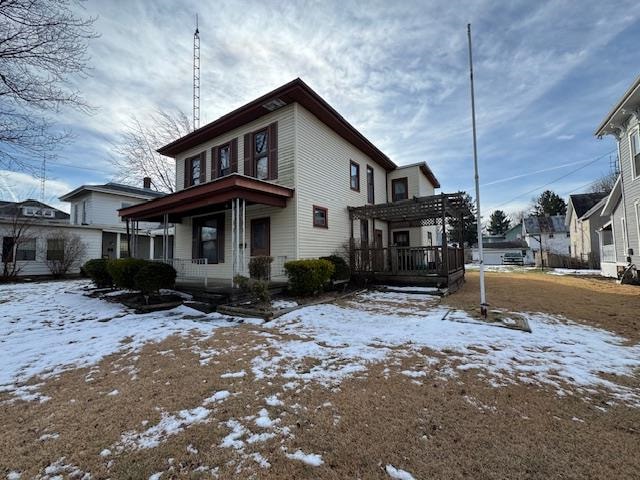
point(203, 197)
point(417, 211)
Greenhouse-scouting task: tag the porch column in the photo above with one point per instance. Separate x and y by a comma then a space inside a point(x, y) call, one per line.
point(152, 241)
point(165, 238)
point(234, 242)
point(117, 245)
point(243, 224)
point(445, 246)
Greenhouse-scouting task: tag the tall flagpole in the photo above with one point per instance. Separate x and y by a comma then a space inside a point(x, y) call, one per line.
point(483, 300)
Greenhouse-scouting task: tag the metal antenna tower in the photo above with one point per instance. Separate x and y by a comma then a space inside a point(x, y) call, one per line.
point(196, 77)
point(43, 176)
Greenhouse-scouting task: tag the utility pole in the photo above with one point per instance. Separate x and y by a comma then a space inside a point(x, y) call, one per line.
point(196, 77)
point(483, 299)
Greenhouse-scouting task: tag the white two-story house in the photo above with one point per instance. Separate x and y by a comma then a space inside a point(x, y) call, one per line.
point(276, 177)
point(620, 236)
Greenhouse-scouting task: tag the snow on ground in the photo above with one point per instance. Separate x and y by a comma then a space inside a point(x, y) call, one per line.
point(344, 339)
point(48, 327)
point(518, 268)
point(312, 459)
point(569, 271)
point(281, 304)
point(398, 474)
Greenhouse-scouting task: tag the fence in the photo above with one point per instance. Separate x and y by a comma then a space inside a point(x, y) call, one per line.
point(406, 260)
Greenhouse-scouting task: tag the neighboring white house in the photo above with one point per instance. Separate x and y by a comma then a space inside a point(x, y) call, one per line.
point(97, 206)
point(503, 252)
point(620, 235)
point(546, 234)
point(277, 177)
point(33, 233)
point(584, 221)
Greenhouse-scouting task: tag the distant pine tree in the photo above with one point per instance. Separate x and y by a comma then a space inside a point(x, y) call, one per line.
point(549, 203)
point(499, 223)
point(469, 226)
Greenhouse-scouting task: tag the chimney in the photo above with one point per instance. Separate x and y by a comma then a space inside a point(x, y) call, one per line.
point(146, 182)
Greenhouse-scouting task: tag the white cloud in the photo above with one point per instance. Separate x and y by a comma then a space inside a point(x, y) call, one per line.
point(17, 186)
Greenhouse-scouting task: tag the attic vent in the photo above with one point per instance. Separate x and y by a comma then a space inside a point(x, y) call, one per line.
point(274, 104)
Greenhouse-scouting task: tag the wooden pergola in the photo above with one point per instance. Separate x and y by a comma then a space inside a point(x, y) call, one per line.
point(441, 265)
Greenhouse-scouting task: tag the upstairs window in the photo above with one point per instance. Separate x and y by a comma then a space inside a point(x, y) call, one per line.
point(84, 212)
point(370, 192)
point(354, 172)
point(261, 154)
point(634, 140)
point(224, 160)
point(320, 217)
point(195, 171)
point(399, 189)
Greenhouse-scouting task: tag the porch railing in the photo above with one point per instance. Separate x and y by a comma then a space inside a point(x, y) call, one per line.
point(406, 260)
point(189, 268)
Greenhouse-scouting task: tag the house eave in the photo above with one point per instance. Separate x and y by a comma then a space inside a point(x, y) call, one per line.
point(626, 106)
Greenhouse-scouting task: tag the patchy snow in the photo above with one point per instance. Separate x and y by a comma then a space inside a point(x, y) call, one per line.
point(500, 268)
point(570, 271)
point(413, 373)
point(345, 339)
point(85, 330)
point(169, 425)
point(217, 397)
point(105, 453)
point(409, 289)
point(263, 420)
point(113, 393)
point(13, 475)
point(48, 436)
point(312, 459)
point(239, 374)
point(55, 470)
point(273, 401)
point(232, 440)
point(398, 474)
point(156, 476)
point(281, 304)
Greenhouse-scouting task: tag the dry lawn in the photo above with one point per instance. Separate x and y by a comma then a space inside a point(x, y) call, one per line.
point(432, 427)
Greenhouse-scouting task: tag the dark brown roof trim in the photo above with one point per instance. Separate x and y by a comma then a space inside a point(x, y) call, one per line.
point(294, 91)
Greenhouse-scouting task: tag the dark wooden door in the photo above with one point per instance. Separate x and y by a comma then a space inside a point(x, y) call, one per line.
point(378, 259)
point(260, 237)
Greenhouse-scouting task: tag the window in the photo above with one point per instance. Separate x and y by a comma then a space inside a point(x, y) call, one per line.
point(195, 170)
point(364, 232)
point(354, 172)
point(224, 160)
point(430, 239)
point(75, 213)
point(320, 217)
point(634, 141)
point(401, 239)
point(568, 234)
point(55, 249)
point(209, 238)
point(370, 193)
point(7, 249)
point(260, 237)
point(26, 249)
point(84, 212)
point(399, 189)
point(261, 154)
point(124, 246)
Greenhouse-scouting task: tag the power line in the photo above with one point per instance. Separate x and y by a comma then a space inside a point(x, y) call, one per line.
point(555, 180)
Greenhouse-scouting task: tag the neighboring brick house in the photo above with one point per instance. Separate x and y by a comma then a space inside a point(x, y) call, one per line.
point(276, 177)
point(620, 235)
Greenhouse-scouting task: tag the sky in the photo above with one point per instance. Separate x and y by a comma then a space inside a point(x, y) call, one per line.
point(546, 74)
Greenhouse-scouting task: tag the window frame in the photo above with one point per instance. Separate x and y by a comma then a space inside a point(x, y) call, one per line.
point(20, 248)
point(267, 223)
point(371, 194)
point(8, 253)
point(635, 132)
point(400, 181)
point(403, 232)
point(218, 169)
point(357, 176)
point(218, 240)
point(326, 216)
point(255, 158)
point(84, 212)
point(49, 251)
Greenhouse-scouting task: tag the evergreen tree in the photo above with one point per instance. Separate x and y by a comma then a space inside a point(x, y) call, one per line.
point(469, 226)
point(549, 203)
point(499, 223)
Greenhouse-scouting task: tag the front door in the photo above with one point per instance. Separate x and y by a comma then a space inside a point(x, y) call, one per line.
point(379, 252)
point(260, 237)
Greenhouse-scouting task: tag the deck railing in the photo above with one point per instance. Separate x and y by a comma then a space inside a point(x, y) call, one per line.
point(406, 260)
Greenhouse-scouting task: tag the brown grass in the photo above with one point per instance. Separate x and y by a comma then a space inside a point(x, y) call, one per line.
point(594, 301)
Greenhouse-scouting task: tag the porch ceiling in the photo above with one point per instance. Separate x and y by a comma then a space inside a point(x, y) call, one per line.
point(208, 196)
point(417, 211)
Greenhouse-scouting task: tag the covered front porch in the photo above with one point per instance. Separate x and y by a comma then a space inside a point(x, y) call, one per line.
point(219, 226)
point(441, 265)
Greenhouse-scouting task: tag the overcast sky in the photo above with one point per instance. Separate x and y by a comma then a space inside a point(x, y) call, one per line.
point(546, 75)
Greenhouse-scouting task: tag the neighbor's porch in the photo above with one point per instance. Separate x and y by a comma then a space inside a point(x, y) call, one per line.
point(441, 265)
point(219, 226)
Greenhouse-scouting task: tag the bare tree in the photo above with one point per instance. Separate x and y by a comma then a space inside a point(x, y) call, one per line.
point(604, 184)
point(136, 149)
point(65, 252)
point(18, 245)
point(43, 44)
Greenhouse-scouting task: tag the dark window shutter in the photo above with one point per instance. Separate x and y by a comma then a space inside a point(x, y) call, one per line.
point(214, 163)
point(195, 240)
point(273, 151)
point(203, 167)
point(234, 155)
point(220, 227)
point(248, 156)
point(187, 171)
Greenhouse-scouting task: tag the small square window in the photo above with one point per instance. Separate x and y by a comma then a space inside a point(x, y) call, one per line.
point(634, 140)
point(320, 217)
point(400, 189)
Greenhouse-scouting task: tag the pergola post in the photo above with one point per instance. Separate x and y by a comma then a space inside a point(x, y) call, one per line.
point(445, 243)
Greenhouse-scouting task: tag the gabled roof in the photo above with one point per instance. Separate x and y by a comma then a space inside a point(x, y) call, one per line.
point(117, 188)
point(621, 111)
point(613, 198)
point(581, 203)
point(424, 168)
point(13, 209)
point(596, 209)
point(544, 224)
point(294, 91)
